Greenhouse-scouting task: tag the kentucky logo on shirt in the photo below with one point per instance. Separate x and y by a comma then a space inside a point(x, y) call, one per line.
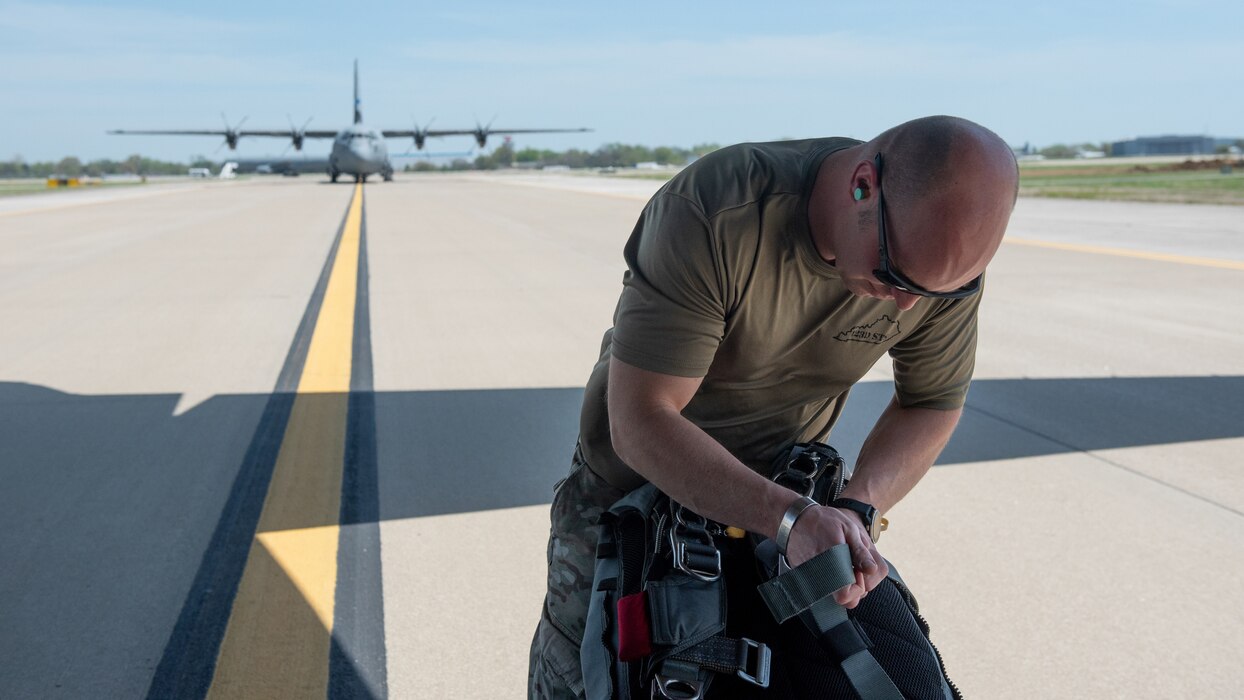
point(877, 332)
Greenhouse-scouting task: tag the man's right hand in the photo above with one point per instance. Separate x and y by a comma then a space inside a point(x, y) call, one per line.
point(821, 528)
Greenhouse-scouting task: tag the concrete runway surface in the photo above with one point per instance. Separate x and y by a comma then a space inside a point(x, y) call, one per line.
point(170, 353)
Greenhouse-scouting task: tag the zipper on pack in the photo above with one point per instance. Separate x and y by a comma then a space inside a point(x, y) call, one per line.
point(924, 627)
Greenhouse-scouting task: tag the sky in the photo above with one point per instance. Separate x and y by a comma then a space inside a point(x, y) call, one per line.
point(651, 73)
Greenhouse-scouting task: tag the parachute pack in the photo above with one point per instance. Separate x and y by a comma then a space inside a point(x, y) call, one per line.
point(684, 608)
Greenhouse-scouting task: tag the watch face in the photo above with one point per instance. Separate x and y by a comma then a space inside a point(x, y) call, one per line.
point(867, 513)
point(880, 525)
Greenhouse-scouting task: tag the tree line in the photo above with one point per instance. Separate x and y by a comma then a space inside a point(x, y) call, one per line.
point(610, 155)
point(73, 167)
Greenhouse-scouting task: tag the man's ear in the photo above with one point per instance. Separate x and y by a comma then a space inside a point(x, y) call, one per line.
point(863, 180)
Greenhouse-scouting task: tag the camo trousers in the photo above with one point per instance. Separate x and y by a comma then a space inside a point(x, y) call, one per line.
point(554, 672)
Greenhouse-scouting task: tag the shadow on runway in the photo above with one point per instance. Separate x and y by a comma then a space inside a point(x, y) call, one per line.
point(109, 502)
point(463, 451)
point(443, 452)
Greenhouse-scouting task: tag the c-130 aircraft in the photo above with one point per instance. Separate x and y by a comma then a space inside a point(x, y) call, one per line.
point(358, 150)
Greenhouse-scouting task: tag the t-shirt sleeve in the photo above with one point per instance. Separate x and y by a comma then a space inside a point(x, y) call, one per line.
point(933, 366)
point(671, 316)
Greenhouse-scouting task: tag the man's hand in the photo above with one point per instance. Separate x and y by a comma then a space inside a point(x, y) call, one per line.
point(820, 528)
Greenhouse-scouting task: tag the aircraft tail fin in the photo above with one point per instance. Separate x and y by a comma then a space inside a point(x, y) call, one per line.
point(358, 114)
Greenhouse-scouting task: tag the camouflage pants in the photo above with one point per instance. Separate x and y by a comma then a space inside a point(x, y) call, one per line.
point(554, 672)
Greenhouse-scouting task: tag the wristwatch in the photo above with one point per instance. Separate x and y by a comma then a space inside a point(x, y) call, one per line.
point(873, 523)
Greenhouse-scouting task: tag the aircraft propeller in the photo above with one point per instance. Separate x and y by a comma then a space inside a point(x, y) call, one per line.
point(420, 135)
point(231, 133)
point(296, 135)
point(481, 132)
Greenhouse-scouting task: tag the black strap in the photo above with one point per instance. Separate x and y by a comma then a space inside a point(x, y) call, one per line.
point(744, 658)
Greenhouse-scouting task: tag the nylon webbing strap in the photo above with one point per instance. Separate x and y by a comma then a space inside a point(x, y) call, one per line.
point(718, 653)
point(806, 591)
point(868, 678)
point(744, 658)
point(791, 593)
point(823, 615)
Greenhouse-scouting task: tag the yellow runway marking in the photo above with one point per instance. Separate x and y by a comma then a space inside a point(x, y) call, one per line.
point(278, 637)
point(1127, 253)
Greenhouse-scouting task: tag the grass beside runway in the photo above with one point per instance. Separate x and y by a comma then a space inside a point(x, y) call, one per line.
point(1129, 180)
point(1188, 182)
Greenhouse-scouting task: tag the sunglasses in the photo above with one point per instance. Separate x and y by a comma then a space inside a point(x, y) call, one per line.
point(888, 274)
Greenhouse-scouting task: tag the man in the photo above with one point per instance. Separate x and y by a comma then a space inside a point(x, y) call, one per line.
point(763, 282)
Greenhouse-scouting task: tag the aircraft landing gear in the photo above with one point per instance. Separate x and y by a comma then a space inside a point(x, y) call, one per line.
point(333, 174)
point(387, 175)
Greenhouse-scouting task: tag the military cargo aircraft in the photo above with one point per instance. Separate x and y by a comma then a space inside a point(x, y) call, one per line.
point(358, 150)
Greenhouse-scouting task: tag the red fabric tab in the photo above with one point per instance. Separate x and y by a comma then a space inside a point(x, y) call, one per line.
point(634, 637)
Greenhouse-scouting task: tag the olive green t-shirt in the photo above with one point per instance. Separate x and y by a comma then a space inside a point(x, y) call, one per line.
point(724, 283)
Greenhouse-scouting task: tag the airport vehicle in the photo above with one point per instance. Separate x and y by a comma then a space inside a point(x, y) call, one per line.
point(357, 150)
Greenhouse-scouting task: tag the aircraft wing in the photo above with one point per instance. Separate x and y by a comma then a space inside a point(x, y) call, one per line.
point(281, 133)
point(411, 133)
point(187, 132)
point(529, 131)
point(309, 133)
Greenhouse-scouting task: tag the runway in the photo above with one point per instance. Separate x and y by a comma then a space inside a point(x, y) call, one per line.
point(281, 438)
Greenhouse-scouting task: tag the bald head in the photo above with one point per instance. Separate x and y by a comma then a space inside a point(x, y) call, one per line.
point(949, 186)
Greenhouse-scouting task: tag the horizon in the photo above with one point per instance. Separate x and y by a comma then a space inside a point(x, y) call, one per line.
point(1062, 73)
point(442, 158)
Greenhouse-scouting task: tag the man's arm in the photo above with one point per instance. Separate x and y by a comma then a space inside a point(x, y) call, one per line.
point(898, 452)
point(651, 435)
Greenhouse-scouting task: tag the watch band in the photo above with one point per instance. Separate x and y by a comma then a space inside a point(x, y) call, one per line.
point(789, 518)
point(873, 524)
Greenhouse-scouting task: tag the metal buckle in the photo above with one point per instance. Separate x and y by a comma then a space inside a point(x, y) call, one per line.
point(682, 561)
point(763, 656)
point(802, 481)
point(675, 689)
point(692, 532)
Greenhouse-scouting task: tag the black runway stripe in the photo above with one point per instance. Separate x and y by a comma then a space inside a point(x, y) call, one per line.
point(357, 662)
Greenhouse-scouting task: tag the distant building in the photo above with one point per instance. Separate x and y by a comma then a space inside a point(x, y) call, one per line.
point(1165, 146)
